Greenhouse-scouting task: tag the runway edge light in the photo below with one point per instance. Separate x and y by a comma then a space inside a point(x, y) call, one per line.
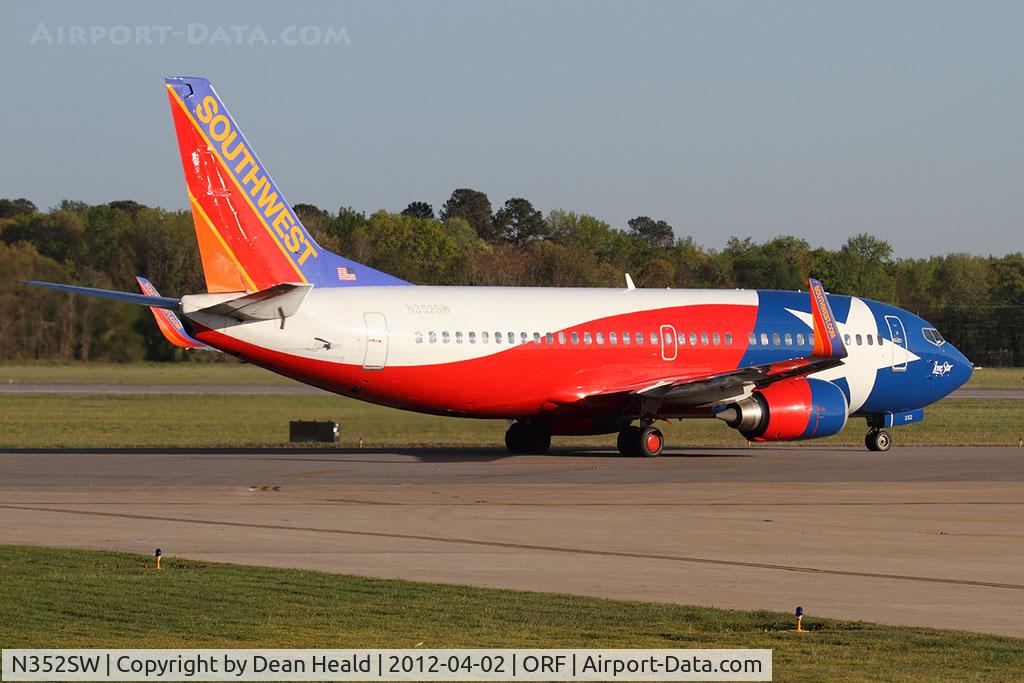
point(799, 619)
point(158, 555)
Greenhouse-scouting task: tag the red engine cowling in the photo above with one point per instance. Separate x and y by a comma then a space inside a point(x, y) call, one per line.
point(789, 410)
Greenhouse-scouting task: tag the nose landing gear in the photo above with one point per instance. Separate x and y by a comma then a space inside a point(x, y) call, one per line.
point(641, 442)
point(878, 440)
point(525, 438)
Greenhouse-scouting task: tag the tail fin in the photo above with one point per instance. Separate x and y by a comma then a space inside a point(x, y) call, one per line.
point(169, 323)
point(249, 236)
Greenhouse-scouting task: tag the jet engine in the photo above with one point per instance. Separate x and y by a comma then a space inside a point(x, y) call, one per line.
point(789, 410)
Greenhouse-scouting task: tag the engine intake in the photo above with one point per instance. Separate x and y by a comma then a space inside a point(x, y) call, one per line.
point(789, 410)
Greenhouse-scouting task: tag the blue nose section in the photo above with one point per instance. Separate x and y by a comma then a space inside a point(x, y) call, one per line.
point(948, 370)
point(962, 368)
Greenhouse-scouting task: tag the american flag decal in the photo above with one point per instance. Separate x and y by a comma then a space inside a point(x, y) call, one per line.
point(346, 274)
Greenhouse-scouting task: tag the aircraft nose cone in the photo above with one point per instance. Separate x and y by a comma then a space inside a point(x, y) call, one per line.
point(962, 368)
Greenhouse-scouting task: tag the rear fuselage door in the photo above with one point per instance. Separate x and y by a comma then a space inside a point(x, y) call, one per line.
point(899, 343)
point(376, 341)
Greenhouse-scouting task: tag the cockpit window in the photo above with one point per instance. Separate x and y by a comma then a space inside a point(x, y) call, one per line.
point(933, 336)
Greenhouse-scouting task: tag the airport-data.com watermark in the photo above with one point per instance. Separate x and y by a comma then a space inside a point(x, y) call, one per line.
point(192, 33)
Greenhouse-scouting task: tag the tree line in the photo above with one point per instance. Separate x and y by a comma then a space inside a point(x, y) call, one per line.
point(975, 301)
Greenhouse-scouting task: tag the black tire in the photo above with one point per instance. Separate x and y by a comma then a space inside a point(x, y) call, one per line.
point(538, 440)
point(629, 442)
point(522, 439)
point(650, 442)
point(514, 441)
point(878, 440)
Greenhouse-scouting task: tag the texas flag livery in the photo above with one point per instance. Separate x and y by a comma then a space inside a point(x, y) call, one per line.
point(773, 365)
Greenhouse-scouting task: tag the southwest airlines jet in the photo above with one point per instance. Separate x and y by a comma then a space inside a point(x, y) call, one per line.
point(774, 365)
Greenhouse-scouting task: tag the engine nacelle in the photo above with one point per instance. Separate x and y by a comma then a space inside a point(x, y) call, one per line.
point(789, 410)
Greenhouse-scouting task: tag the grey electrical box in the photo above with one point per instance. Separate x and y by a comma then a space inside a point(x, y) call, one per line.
point(320, 432)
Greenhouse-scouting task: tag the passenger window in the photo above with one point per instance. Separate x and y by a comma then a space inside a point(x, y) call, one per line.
point(484, 337)
point(599, 337)
point(613, 338)
point(847, 340)
point(682, 338)
point(654, 337)
point(728, 339)
point(445, 337)
point(586, 338)
point(858, 340)
point(752, 339)
point(625, 338)
point(497, 337)
point(523, 338)
point(561, 337)
point(549, 338)
point(575, 338)
point(458, 337)
point(764, 339)
point(789, 339)
point(716, 339)
point(639, 338)
point(776, 340)
point(472, 337)
point(693, 339)
point(871, 340)
point(419, 337)
point(511, 337)
point(800, 339)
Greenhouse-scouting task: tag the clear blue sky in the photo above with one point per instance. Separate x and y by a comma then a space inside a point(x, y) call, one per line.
point(819, 119)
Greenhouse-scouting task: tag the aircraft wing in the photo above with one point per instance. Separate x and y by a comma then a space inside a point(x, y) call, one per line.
point(169, 324)
point(702, 389)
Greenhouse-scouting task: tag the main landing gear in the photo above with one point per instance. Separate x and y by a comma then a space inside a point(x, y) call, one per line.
point(878, 440)
point(526, 438)
point(645, 441)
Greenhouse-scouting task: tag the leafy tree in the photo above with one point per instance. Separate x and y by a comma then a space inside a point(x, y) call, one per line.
point(517, 222)
point(419, 210)
point(474, 207)
point(128, 206)
point(9, 208)
point(652, 232)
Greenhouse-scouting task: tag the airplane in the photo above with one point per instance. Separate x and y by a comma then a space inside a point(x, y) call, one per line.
point(773, 365)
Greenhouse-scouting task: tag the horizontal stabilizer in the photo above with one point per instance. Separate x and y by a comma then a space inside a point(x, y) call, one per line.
point(279, 301)
point(128, 297)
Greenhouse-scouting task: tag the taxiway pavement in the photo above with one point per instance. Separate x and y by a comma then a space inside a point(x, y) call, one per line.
point(922, 536)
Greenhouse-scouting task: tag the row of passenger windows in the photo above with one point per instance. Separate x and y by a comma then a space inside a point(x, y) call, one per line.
point(870, 339)
point(600, 338)
point(627, 338)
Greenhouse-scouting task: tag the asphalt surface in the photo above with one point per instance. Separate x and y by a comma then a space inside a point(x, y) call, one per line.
point(300, 389)
point(923, 536)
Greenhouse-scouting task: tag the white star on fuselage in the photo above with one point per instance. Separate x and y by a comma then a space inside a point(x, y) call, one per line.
point(862, 364)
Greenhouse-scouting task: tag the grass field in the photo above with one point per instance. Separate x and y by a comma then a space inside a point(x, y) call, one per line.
point(73, 598)
point(84, 420)
point(231, 372)
point(182, 420)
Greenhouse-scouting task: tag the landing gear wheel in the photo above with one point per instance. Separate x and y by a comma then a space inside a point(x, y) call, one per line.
point(651, 442)
point(636, 442)
point(878, 440)
point(522, 438)
point(629, 442)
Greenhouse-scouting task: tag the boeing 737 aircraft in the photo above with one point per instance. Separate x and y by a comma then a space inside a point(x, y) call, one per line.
point(776, 366)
